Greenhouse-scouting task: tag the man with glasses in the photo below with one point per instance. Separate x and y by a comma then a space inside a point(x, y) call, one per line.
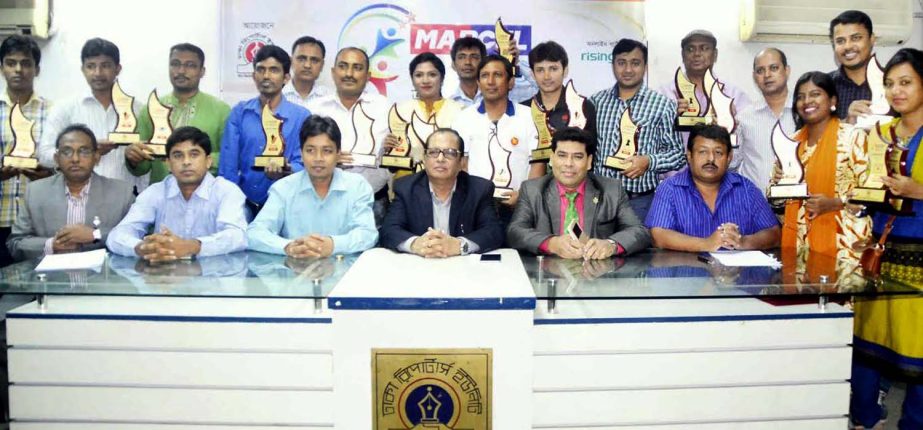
point(442, 211)
point(75, 209)
point(191, 107)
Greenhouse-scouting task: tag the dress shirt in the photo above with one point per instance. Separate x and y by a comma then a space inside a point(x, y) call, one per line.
point(202, 111)
point(88, 111)
point(655, 115)
point(294, 210)
point(565, 202)
point(36, 109)
point(754, 157)
point(515, 132)
point(847, 92)
point(244, 140)
point(213, 215)
point(524, 87)
point(678, 205)
point(76, 211)
point(441, 211)
point(317, 92)
point(376, 106)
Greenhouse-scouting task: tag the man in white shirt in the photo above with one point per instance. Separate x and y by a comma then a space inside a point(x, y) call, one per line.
point(100, 65)
point(467, 53)
point(307, 62)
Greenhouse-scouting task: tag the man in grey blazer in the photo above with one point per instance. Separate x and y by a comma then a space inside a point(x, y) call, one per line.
point(74, 209)
point(573, 214)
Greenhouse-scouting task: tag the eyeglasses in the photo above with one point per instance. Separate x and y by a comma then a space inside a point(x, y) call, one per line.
point(449, 154)
point(83, 152)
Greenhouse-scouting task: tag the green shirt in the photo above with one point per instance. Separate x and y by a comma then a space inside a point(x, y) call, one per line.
point(203, 111)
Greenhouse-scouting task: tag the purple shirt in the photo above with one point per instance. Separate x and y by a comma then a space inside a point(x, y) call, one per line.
point(679, 206)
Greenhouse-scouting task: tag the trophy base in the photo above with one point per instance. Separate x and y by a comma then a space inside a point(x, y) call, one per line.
point(124, 138)
point(402, 162)
point(617, 163)
point(689, 122)
point(788, 191)
point(157, 149)
point(20, 162)
point(866, 122)
point(541, 155)
point(364, 160)
point(869, 195)
point(500, 191)
point(263, 161)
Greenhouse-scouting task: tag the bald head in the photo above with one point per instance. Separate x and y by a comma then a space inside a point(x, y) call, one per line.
point(779, 55)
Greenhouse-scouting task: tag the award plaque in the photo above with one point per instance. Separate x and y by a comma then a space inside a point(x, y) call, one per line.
point(873, 190)
point(500, 167)
point(420, 129)
point(504, 37)
point(542, 152)
point(160, 117)
point(364, 149)
point(275, 144)
point(628, 138)
point(125, 132)
point(398, 157)
point(875, 77)
point(791, 186)
point(721, 106)
point(574, 102)
point(22, 156)
point(695, 113)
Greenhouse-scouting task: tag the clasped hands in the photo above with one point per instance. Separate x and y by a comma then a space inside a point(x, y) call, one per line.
point(310, 246)
point(70, 237)
point(565, 246)
point(436, 244)
point(166, 246)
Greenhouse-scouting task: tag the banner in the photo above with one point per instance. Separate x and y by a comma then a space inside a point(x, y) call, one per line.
point(392, 33)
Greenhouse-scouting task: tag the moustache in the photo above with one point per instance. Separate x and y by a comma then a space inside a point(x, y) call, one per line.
point(710, 165)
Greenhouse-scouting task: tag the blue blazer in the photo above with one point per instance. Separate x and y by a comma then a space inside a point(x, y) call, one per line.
point(472, 215)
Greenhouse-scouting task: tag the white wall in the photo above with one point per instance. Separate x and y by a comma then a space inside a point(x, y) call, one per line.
point(144, 32)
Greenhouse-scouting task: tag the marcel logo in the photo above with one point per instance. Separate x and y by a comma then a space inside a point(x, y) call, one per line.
point(438, 38)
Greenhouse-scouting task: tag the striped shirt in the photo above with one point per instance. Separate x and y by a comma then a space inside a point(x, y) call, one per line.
point(317, 92)
point(847, 92)
point(679, 206)
point(36, 109)
point(654, 114)
point(754, 157)
point(76, 211)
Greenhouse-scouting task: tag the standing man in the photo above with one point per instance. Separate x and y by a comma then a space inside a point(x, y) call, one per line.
point(100, 63)
point(307, 63)
point(350, 74)
point(548, 61)
point(659, 148)
point(853, 40)
point(19, 62)
point(191, 107)
point(755, 157)
point(244, 138)
point(467, 53)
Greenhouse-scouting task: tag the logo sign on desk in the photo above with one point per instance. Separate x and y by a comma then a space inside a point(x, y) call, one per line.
point(445, 389)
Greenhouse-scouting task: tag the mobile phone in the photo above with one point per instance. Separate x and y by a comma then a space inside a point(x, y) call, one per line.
point(490, 257)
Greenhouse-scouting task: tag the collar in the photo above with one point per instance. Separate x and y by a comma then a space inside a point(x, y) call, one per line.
point(83, 193)
point(336, 184)
point(203, 191)
point(762, 105)
point(843, 77)
point(451, 193)
point(5, 98)
point(641, 91)
point(255, 106)
point(510, 108)
point(581, 189)
point(460, 95)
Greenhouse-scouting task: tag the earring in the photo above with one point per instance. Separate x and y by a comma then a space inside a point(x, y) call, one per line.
point(833, 108)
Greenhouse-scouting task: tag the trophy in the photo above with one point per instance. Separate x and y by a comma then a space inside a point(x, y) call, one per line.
point(22, 156)
point(504, 37)
point(695, 113)
point(275, 144)
point(160, 117)
point(721, 106)
point(628, 137)
point(398, 157)
point(542, 152)
point(897, 165)
point(420, 130)
point(125, 132)
point(364, 149)
point(500, 167)
point(574, 102)
point(792, 185)
point(875, 77)
point(873, 191)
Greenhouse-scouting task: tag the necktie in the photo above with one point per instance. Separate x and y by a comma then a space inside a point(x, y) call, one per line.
point(570, 217)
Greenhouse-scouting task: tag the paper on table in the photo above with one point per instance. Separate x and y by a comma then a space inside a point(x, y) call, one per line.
point(75, 261)
point(745, 259)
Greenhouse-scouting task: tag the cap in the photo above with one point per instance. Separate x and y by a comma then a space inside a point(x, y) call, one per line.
point(698, 33)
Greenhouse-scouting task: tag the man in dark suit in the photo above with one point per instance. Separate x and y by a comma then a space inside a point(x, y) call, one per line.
point(573, 214)
point(75, 209)
point(442, 211)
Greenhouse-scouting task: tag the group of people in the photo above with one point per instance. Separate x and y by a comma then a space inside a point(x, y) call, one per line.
point(478, 182)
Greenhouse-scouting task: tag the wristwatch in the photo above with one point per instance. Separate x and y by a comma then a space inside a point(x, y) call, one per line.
point(463, 247)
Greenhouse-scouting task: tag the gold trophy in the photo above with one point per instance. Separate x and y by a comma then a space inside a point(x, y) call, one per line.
point(873, 190)
point(574, 102)
point(364, 149)
point(398, 157)
point(504, 37)
point(542, 152)
point(275, 143)
point(418, 132)
point(875, 77)
point(160, 117)
point(500, 167)
point(721, 106)
point(792, 185)
point(695, 113)
point(628, 138)
point(125, 132)
point(22, 154)
point(897, 165)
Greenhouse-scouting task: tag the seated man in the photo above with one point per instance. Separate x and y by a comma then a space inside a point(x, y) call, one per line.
point(705, 207)
point(573, 214)
point(74, 209)
point(319, 211)
point(432, 208)
point(193, 213)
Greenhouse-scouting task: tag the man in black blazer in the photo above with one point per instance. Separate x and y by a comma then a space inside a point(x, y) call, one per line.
point(442, 211)
point(573, 214)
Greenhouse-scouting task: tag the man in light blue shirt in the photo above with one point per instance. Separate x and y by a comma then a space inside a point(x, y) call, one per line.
point(319, 211)
point(193, 213)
